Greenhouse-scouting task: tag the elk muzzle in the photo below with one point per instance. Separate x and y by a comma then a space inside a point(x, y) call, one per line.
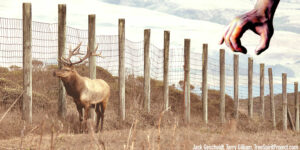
point(54, 74)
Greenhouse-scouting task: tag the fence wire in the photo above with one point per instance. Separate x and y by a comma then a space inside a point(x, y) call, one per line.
point(45, 49)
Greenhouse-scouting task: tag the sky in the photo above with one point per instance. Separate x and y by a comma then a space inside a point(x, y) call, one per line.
point(202, 21)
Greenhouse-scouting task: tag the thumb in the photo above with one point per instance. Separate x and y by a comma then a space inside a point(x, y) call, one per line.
point(265, 38)
point(263, 44)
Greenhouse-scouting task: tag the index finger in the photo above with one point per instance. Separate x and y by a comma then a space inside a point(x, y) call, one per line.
point(224, 35)
point(235, 38)
point(236, 41)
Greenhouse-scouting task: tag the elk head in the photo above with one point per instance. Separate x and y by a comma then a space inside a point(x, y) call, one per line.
point(68, 68)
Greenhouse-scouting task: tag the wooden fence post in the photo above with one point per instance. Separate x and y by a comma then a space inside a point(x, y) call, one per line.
point(187, 105)
point(290, 118)
point(204, 82)
point(147, 70)
point(166, 67)
point(296, 107)
point(122, 68)
point(250, 81)
point(284, 101)
point(272, 103)
point(222, 86)
point(62, 108)
point(262, 90)
point(92, 59)
point(27, 64)
point(236, 86)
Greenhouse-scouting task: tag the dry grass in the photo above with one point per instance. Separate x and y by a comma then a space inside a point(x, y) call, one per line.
point(140, 130)
point(278, 109)
point(184, 137)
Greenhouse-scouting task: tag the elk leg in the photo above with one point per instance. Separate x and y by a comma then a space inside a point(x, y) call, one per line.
point(79, 109)
point(98, 112)
point(86, 116)
point(103, 107)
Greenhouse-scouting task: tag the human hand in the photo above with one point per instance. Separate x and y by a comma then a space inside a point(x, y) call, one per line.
point(253, 20)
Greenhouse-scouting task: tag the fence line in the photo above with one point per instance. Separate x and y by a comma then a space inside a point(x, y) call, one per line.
point(45, 45)
point(128, 56)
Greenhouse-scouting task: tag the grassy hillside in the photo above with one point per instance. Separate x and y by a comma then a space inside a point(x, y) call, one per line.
point(66, 132)
point(45, 96)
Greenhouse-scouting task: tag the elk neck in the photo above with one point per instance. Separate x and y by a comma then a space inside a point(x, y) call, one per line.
point(73, 84)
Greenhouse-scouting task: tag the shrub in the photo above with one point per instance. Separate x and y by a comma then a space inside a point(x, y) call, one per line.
point(3, 70)
point(14, 68)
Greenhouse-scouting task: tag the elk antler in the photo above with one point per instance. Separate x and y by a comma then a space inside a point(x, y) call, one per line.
point(75, 51)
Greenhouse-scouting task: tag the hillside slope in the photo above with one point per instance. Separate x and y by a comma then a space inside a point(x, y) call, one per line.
point(45, 95)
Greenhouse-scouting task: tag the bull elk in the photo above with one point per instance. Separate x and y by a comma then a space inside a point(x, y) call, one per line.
point(86, 92)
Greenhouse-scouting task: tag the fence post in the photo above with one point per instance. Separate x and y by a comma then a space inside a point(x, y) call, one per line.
point(147, 70)
point(166, 67)
point(92, 59)
point(187, 105)
point(272, 103)
point(296, 106)
point(62, 109)
point(262, 90)
point(250, 81)
point(284, 101)
point(204, 82)
point(122, 68)
point(27, 64)
point(236, 86)
point(222, 86)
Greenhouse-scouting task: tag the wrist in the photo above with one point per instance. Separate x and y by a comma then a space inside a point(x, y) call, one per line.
point(266, 8)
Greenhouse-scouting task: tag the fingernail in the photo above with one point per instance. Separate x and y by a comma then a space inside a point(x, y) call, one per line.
point(244, 50)
point(220, 42)
point(257, 52)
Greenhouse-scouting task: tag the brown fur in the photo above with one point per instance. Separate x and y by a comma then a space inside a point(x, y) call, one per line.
point(86, 93)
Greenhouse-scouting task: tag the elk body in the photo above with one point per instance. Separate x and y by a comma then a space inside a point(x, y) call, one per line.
point(86, 92)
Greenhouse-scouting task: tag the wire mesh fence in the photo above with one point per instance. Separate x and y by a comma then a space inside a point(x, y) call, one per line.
point(45, 49)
